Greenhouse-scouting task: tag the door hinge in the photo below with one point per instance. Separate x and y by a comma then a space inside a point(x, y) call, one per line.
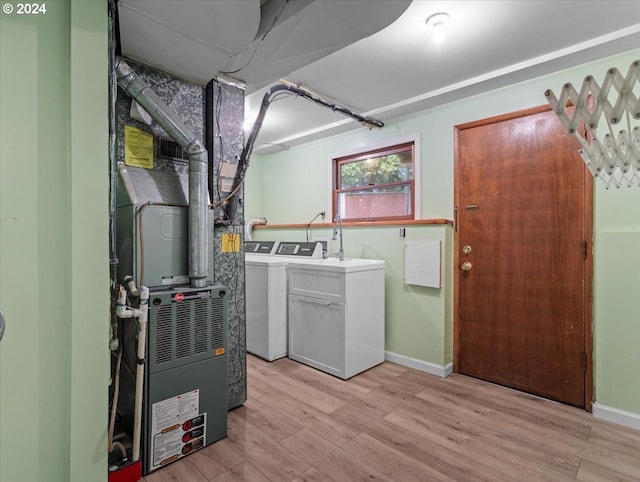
point(584, 250)
point(455, 218)
point(584, 361)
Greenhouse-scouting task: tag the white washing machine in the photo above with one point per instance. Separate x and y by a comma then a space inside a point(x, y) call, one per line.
point(266, 293)
point(266, 298)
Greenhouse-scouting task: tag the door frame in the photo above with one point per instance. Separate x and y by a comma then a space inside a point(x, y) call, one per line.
point(588, 282)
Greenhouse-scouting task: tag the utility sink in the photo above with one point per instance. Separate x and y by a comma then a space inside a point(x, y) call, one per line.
point(346, 265)
point(336, 314)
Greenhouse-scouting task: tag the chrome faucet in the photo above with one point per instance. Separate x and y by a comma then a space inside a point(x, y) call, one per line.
point(337, 229)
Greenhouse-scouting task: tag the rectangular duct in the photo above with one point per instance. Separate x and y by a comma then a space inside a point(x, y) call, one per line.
point(137, 89)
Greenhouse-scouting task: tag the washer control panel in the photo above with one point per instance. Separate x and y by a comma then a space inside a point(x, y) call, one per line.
point(311, 250)
point(260, 247)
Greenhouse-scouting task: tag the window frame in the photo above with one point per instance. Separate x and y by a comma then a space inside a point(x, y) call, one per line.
point(380, 149)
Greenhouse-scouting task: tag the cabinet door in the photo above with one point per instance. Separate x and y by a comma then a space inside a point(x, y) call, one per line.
point(317, 333)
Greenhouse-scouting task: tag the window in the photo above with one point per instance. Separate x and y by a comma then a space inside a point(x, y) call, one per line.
point(376, 185)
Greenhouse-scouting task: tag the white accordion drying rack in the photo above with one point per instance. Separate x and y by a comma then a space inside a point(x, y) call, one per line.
point(612, 157)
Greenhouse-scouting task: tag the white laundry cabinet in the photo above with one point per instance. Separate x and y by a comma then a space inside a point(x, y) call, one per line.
point(336, 314)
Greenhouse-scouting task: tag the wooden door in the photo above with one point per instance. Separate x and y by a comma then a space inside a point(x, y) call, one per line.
point(523, 200)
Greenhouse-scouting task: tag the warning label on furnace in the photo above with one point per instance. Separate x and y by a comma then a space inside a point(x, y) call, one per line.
point(177, 428)
point(175, 410)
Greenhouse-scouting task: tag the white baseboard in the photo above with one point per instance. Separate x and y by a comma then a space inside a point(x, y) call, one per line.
point(615, 415)
point(441, 371)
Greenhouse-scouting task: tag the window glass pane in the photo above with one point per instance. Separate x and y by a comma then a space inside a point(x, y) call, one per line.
point(377, 170)
point(392, 201)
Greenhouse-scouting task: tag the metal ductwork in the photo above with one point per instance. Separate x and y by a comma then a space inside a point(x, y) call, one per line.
point(231, 201)
point(136, 88)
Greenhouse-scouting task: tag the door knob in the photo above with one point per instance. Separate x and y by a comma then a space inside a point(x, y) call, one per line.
point(1, 325)
point(466, 266)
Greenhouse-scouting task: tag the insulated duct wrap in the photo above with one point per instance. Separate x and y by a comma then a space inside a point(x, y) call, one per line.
point(133, 86)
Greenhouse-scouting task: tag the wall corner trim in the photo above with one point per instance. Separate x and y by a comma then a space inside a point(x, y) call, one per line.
point(441, 371)
point(616, 415)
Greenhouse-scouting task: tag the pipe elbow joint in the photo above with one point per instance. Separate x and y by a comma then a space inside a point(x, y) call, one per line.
point(249, 227)
point(123, 312)
point(195, 148)
point(121, 308)
point(126, 75)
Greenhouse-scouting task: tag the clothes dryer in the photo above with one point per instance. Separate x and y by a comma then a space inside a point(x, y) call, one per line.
point(267, 295)
point(266, 298)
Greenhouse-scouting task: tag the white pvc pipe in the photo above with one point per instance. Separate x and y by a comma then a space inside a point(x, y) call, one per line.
point(121, 309)
point(142, 314)
point(142, 340)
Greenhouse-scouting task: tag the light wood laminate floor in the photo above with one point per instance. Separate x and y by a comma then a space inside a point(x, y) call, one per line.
point(394, 423)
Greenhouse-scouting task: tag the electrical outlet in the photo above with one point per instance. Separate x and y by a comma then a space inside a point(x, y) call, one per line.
point(403, 232)
point(323, 214)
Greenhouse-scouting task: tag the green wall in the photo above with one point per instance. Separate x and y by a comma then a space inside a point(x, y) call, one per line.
point(292, 186)
point(54, 364)
point(616, 298)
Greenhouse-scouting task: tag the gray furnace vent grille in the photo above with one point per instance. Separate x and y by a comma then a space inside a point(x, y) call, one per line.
point(186, 331)
point(217, 333)
point(183, 330)
point(201, 326)
point(164, 334)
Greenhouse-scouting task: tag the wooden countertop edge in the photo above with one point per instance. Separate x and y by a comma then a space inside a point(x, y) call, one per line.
point(370, 224)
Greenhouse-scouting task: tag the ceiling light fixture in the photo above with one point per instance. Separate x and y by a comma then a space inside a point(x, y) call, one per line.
point(437, 21)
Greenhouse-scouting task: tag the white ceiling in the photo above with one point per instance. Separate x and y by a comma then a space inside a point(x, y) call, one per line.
point(374, 57)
